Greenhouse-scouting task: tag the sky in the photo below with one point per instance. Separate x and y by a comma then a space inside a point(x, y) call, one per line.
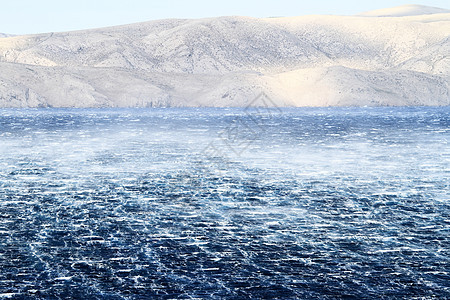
point(39, 16)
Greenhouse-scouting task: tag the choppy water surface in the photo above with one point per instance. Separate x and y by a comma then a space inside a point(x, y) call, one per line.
point(225, 203)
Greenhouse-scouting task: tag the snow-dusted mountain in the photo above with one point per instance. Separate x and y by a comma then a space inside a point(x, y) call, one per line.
point(401, 58)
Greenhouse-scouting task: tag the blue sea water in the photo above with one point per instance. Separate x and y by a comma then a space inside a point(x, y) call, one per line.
point(320, 203)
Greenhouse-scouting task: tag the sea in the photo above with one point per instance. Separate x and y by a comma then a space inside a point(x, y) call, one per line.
point(229, 203)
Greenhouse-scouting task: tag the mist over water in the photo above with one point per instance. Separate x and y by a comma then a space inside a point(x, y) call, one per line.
point(225, 203)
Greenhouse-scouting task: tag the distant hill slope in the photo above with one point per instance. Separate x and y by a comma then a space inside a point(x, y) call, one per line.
point(405, 11)
point(297, 61)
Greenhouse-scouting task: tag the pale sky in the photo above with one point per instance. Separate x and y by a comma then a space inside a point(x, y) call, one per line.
point(39, 16)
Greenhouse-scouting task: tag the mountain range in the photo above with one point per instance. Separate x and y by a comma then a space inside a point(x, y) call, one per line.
point(390, 57)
